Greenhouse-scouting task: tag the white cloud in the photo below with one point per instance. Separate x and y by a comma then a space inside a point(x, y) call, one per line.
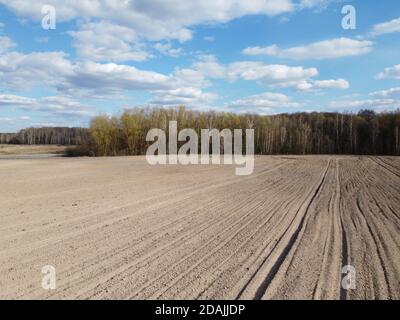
point(6, 44)
point(261, 51)
point(264, 103)
point(278, 76)
point(104, 41)
point(392, 92)
point(379, 101)
point(153, 19)
point(55, 105)
point(386, 27)
point(191, 77)
point(375, 104)
point(209, 67)
point(268, 75)
point(168, 50)
point(92, 75)
point(65, 106)
point(4, 119)
point(274, 76)
point(331, 84)
point(390, 73)
point(115, 31)
point(13, 100)
point(328, 49)
point(184, 96)
point(95, 80)
point(22, 71)
point(54, 70)
point(191, 80)
point(317, 85)
point(319, 4)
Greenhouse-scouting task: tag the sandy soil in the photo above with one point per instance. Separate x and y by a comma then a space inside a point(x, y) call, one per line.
point(118, 228)
point(9, 149)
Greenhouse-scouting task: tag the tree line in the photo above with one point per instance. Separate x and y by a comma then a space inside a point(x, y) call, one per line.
point(47, 136)
point(363, 133)
point(302, 133)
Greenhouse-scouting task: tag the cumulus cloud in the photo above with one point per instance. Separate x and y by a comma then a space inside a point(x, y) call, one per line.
point(6, 119)
point(95, 80)
point(392, 92)
point(191, 77)
point(65, 106)
point(168, 50)
point(390, 73)
point(22, 71)
point(115, 31)
point(276, 76)
point(6, 44)
point(92, 75)
point(331, 84)
point(379, 101)
point(328, 49)
point(191, 81)
point(105, 41)
point(208, 66)
point(318, 4)
point(261, 51)
point(375, 104)
point(154, 19)
point(269, 75)
point(264, 103)
point(183, 96)
point(13, 100)
point(386, 27)
point(317, 85)
point(53, 69)
point(55, 105)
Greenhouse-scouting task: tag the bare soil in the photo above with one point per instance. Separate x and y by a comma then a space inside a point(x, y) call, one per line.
point(10, 149)
point(119, 228)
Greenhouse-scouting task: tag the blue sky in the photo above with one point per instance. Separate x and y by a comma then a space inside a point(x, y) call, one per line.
point(259, 56)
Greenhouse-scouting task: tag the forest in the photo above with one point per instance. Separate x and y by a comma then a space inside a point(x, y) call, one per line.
point(302, 133)
point(47, 135)
point(364, 133)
